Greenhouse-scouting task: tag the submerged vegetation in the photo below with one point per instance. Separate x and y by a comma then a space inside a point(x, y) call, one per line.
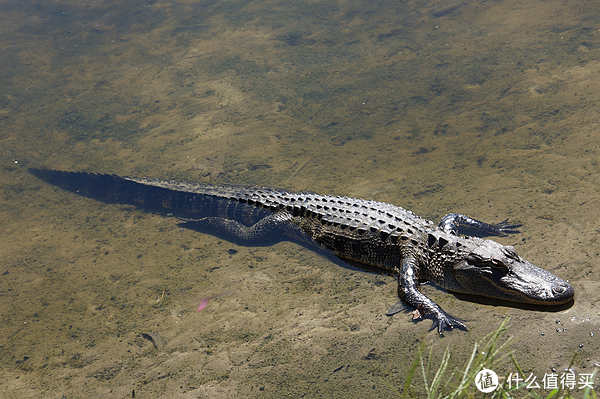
point(490, 352)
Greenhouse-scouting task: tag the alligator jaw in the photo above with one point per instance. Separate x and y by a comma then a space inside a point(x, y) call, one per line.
point(496, 271)
point(540, 290)
point(537, 288)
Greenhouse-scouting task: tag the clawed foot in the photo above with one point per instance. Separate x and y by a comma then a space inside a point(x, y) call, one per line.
point(504, 228)
point(453, 222)
point(449, 322)
point(442, 320)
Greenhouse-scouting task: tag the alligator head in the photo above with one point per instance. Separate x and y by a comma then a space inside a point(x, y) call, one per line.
point(493, 270)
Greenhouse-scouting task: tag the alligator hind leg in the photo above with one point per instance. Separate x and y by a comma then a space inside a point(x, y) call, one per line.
point(455, 222)
point(268, 230)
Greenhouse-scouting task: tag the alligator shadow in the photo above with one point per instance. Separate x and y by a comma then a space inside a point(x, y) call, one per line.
point(518, 305)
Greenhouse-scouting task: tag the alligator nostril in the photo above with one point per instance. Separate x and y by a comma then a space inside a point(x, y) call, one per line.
point(563, 290)
point(559, 289)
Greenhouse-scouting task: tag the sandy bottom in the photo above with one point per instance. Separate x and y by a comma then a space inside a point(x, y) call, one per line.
point(485, 109)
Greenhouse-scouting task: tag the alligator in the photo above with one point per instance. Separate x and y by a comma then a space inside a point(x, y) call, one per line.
point(360, 232)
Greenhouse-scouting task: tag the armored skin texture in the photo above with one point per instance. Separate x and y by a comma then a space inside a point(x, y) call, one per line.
point(369, 233)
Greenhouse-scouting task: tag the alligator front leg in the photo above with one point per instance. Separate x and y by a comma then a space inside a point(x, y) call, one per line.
point(267, 230)
point(453, 222)
point(408, 291)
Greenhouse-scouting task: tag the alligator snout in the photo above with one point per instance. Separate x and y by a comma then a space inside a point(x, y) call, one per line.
point(563, 292)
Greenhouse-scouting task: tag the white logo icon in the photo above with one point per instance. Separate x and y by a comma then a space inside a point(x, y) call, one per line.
point(486, 381)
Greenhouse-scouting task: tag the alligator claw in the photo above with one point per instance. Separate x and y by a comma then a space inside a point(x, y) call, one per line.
point(444, 320)
point(441, 319)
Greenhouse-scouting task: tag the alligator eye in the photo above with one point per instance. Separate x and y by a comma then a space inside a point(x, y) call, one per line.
point(498, 264)
point(474, 260)
point(510, 252)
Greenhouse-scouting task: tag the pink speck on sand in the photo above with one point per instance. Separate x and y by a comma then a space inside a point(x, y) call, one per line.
point(204, 301)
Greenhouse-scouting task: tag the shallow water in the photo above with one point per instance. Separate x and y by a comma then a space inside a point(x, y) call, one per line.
point(488, 109)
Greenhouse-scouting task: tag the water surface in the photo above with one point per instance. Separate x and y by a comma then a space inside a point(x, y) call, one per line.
point(488, 109)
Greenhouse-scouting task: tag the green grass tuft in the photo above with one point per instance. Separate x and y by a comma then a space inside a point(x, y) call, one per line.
point(492, 353)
